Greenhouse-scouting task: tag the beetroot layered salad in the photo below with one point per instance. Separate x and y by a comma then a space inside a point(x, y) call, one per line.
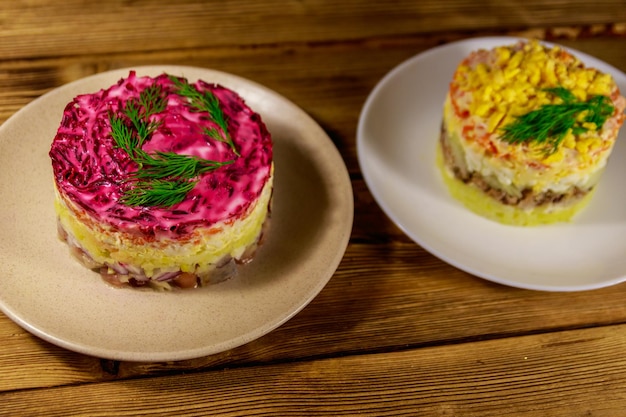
point(162, 182)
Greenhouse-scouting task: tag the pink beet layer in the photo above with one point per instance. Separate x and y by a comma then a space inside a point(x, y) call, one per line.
point(91, 172)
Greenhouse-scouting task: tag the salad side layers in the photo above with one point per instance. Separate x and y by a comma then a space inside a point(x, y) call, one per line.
point(527, 132)
point(162, 182)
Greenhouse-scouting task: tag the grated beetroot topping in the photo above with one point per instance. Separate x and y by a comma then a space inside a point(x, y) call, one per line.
point(91, 172)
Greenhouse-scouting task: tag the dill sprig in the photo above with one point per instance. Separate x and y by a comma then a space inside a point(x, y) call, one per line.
point(162, 165)
point(161, 193)
point(549, 124)
point(162, 178)
point(206, 101)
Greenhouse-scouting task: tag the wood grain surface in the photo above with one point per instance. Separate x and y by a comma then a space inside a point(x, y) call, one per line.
point(396, 331)
point(549, 375)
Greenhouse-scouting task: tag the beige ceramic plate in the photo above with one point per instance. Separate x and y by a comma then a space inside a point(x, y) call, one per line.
point(45, 291)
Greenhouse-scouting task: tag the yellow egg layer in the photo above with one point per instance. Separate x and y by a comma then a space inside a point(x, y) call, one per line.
point(196, 253)
point(511, 83)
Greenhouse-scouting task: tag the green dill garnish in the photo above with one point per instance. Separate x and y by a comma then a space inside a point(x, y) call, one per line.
point(162, 178)
point(206, 102)
point(213, 133)
point(161, 165)
point(549, 124)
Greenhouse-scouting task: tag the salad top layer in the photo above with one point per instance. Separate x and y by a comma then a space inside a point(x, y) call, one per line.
point(98, 174)
point(534, 115)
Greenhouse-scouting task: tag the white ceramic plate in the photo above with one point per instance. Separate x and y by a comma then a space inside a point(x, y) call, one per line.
point(397, 136)
point(45, 291)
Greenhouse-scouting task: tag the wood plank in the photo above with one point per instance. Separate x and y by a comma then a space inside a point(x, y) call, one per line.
point(38, 28)
point(414, 298)
point(559, 374)
point(330, 82)
point(27, 361)
point(397, 295)
point(383, 297)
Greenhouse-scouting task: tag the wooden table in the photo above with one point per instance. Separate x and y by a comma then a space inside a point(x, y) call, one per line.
point(396, 331)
